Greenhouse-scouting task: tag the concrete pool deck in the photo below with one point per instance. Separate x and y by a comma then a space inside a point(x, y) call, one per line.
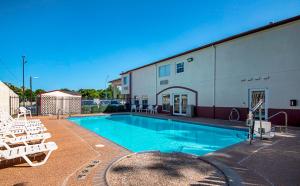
point(273, 162)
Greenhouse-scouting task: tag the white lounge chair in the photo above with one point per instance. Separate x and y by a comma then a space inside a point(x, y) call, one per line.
point(25, 151)
point(21, 124)
point(21, 130)
point(6, 117)
point(265, 130)
point(11, 139)
point(9, 123)
point(24, 112)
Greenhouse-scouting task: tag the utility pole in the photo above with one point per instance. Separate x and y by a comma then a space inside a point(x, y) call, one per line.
point(23, 87)
point(30, 91)
point(106, 86)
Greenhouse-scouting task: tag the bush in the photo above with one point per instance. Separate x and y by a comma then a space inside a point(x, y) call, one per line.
point(94, 109)
point(86, 109)
point(111, 108)
point(102, 109)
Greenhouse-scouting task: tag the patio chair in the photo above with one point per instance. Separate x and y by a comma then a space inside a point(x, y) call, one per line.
point(150, 109)
point(26, 151)
point(155, 109)
point(265, 130)
point(140, 108)
point(133, 107)
point(24, 112)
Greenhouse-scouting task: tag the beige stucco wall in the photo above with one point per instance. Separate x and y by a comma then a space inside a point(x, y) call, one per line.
point(197, 75)
point(273, 53)
point(5, 94)
point(143, 81)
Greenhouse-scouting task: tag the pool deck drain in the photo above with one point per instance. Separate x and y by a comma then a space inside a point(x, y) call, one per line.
point(84, 173)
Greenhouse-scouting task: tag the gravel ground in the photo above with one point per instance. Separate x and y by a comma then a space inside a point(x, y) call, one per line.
point(156, 168)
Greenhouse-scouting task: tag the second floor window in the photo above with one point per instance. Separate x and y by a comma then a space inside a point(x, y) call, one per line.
point(164, 71)
point(125, 80)
point(179, 67)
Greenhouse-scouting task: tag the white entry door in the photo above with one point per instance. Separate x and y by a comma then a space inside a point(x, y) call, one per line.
point(254, 96)
point(180, 104)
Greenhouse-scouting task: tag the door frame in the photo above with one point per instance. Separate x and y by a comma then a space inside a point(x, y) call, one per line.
point(266, 104)
point(180, 103)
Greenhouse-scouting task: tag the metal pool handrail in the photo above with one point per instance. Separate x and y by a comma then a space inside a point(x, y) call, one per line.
point(285, 117)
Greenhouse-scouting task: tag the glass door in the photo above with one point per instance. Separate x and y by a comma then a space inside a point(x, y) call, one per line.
point(254, 96)
point(176, 104)
point(183, 104)
point(180, 104)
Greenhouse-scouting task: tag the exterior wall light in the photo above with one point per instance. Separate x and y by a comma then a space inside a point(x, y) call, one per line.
point(190, 59)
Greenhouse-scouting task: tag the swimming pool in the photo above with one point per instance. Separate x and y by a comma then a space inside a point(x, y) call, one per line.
point(138, 133)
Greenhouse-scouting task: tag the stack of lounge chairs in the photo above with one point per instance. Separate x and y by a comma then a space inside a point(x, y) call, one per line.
point(23, 139)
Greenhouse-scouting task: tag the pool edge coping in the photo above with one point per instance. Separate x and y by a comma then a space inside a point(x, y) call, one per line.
point(245, 129)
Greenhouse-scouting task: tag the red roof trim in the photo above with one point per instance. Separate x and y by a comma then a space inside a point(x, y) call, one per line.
point(266, 27)
point(63, 91)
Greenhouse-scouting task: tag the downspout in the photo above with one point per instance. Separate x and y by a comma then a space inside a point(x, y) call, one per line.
point(214, 83)
point(156, 101)
point(130, 87)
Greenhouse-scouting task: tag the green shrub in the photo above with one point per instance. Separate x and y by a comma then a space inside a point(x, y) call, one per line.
point(86, 109)
point(102, 109)
point(94, 109)
point(121, 108)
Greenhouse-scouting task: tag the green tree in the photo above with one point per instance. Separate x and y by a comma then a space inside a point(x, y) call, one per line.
point(39, 91)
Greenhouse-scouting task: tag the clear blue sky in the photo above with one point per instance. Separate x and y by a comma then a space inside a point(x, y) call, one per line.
point(77, 44)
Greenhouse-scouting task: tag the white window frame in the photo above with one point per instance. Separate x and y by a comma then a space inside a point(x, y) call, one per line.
point(164, 66)
point(125, 77)
point(162, 102)
point(176, 68)
point(143, 99)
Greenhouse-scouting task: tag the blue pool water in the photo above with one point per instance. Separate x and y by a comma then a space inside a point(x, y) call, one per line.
point(138, 133)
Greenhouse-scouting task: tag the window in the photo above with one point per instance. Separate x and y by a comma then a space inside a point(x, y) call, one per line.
point(136, 100)
point(145, 102)
point(125, 80)
point(166, 102)
point(164, 71)
point(163, 82)
point(180, 67)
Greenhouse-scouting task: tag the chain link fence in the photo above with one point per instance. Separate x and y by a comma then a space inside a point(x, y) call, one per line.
point(47, 105)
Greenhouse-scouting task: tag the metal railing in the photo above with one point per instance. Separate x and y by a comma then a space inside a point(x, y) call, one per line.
point(250, 122)
point(285, 118)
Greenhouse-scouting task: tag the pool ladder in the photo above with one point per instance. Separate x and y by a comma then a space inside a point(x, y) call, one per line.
point(59, 111)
